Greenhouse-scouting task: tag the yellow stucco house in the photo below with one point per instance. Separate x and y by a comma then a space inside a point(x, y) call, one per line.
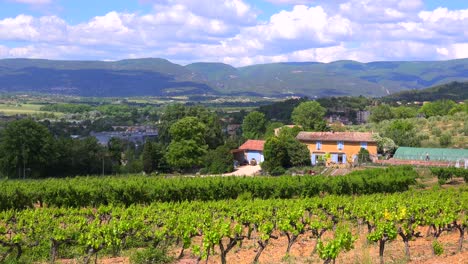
point(337, 147)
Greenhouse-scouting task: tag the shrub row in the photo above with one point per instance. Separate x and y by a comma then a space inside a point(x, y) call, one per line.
point(95, 191)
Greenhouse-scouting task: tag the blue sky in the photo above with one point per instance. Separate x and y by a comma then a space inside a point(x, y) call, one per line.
point(238, 32)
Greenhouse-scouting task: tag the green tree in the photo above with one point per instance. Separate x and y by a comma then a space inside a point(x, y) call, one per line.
point(185, 155)
point(115, 148)
point(284, 152)
point(254, 125)
point(404, 112)
point(309, 115)
point(188, 128)
point(213, 135)
point(437, 108)
point(403, 133)
point(26, 148)
point(445, 140)
point(290, 132)
point(298, 153)
point(380, 113)
point(276, 156)
point(219, 160)
point(460, 108)
point(385, 145)
point(363, 156)
point(148, 157)
point(270, 128)
point(152, 157)
point(188, 146)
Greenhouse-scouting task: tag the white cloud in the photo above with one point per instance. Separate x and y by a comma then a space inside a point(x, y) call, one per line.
point(229, 11)
point(230, 32)
point(302, 27)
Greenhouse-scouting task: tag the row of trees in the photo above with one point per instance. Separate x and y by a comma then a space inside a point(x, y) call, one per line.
point(437, 108)
point(190, 138)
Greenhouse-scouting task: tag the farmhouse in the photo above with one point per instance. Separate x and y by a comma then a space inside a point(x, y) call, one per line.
point(251, 150)
point(337, 147)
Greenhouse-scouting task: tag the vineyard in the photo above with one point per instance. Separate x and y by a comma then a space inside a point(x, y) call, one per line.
point(213, 230)
point(96, 191)
point(220, 226)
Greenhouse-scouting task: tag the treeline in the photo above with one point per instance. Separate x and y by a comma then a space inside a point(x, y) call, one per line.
point(437, 108)
point(190, 139)
point(343, 106)
point(95, 191)
point(451, 91)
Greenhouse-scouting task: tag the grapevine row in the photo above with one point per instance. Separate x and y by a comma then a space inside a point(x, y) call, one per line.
point(96, 191)
point(224, 225)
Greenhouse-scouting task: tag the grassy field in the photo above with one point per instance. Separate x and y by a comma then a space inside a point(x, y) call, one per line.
point(26, 109)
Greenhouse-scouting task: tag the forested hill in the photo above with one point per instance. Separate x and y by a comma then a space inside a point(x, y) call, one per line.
point(160, 77)
point(457, 91)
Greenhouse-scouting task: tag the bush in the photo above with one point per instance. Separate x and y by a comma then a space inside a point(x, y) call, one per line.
point(445, 174)
point(363, 156)
point(445, 140)
point(436, 131)
point(437, 248)
point(150, 256)
point(219, 161)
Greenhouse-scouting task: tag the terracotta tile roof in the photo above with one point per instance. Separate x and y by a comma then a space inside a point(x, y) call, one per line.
point(336, 136)
point(252, 144)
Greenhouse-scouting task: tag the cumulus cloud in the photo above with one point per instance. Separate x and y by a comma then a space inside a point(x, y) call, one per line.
point(230, 32)
point(230, 11)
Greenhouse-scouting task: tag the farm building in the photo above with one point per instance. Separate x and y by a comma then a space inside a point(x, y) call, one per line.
point(337, 147)
point(431, 154)
point(251, 150)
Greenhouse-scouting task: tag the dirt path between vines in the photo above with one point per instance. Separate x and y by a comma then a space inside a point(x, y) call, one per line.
point(363, 253)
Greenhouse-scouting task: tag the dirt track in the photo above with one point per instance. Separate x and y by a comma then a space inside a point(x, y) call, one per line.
point(246, 170)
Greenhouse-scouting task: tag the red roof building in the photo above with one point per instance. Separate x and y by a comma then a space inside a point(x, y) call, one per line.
point(252, 144)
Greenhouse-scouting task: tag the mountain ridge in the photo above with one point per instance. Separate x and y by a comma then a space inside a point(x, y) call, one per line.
point(160, 77)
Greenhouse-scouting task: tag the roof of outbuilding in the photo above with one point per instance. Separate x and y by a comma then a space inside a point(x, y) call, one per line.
point(253, 144)
point(336, 136)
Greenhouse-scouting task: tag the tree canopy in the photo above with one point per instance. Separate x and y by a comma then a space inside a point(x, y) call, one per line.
point(381, 112)
point(309, 115)
point(254, 125)
point(25, 147)
point(437, 108)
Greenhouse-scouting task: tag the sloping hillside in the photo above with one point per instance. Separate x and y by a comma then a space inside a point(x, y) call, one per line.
point(454, 91)
point(159, 77)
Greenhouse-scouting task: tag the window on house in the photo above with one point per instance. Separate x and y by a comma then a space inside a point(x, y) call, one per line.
point(340, 145)
point(364, 145)
point(318, 145)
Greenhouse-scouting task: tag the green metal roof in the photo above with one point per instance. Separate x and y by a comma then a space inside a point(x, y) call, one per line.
point(436, 154)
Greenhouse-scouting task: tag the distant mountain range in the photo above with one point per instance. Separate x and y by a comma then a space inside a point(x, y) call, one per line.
point(159, 77)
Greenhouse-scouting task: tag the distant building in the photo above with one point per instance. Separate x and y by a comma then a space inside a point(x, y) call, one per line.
point(337, 147)
point(337, 118)
point(362, 116)
point(135, 137)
